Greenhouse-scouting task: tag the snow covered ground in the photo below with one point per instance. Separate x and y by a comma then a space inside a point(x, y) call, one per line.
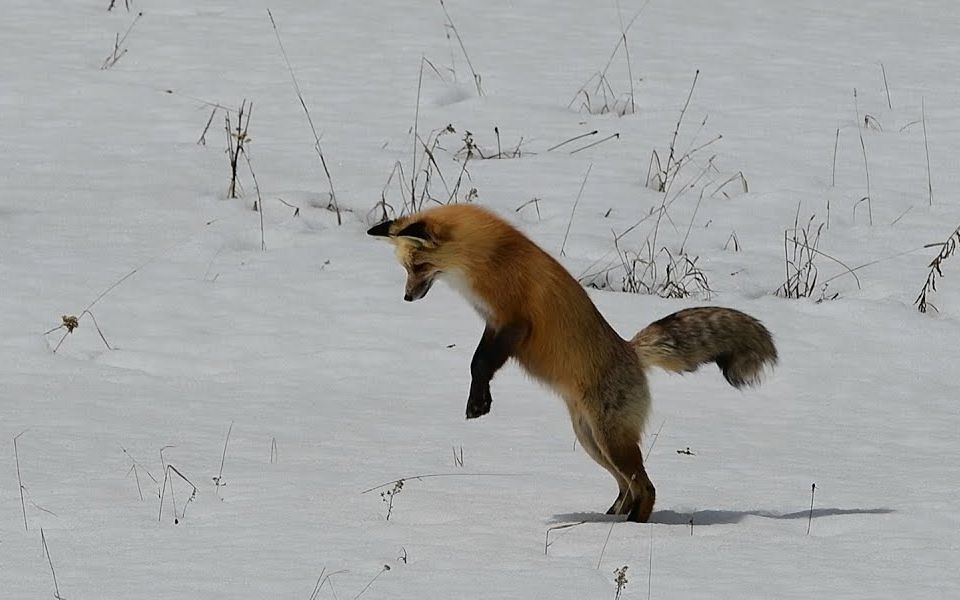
point(333, 385)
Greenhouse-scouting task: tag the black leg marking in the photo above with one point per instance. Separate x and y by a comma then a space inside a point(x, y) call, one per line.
point(496, 346)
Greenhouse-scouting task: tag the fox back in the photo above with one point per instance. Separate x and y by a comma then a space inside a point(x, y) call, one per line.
point(508, 278)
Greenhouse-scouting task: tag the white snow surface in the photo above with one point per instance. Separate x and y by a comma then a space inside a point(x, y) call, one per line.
point(307, 348)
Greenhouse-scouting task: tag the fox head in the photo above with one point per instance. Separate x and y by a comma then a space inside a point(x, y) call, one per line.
point(418, 249)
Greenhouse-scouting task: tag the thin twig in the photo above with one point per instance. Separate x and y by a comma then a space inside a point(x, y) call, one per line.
point(630, 494)
point(603, 85)
point(676, 130)
point(316, 586)
point(322, 580)
point(46, 550)
point(536, 205)
point(656, 437)
point(476, 77)
point(833, 174)
point(901, 215)
point(692, 217)
point(885, 86)
point(23, 506)
point(416, 125)
point(118, 43)
point(382, 571)
point(866, 167)
point(296, 209)
point(97, 327)
point(650, 565)
point(218, 480)
point(113, 286)
point(947, 249)
point(136, 476)
point(236, 144)
point(117, 283)
point(626, 51)
point(623, 500)
point(573, 139)
point(135, 466)
point(166, 476)
point(259, 205)
point(574, 209)
point(609, 137)
point(202, 141)
point(316, 137)
point(547, 543)
point(113, 3)
point(431, 475)
point(926, 148)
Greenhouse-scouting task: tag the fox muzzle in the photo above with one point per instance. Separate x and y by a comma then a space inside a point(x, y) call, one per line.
point(417, 290)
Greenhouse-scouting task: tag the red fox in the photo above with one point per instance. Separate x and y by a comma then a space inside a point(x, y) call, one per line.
point(538, 314)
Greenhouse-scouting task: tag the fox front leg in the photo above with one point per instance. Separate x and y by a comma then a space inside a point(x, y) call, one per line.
point(495, 347)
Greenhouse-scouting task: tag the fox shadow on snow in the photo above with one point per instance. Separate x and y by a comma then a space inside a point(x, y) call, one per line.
point(720, 517)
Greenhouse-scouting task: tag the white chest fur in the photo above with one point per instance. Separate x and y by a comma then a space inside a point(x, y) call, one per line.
point(461, 284)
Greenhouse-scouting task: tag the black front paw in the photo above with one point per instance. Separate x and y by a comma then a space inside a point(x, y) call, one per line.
point(479, 402)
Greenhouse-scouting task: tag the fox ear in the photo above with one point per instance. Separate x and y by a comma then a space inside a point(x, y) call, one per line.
point(381, 230)
point(417, 231)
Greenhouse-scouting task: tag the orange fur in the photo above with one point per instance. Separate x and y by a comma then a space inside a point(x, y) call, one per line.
point(537, 313)
point(569, 343)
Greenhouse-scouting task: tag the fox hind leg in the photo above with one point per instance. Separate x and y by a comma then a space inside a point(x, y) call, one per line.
point(620, 446)
point(584, 431)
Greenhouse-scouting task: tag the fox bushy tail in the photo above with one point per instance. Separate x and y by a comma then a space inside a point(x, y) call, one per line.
point(739, 344)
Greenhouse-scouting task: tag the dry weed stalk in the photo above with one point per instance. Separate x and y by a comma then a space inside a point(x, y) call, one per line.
point(799, 258)
point(471, 150)
point(388, 496)
point(612, 136)
point(621, 580)
point(574, 209)
point(420, 188)
point(886, 87)
point(659, 273)
point(23, 506)
point(333, 204)
point(322, 580)
point(662, 174)
point(202, 140)
point(866, 166)
point(536, 204)
point(463, 48)
point(800, 252)
point(118, 50)
point(135, 468)
point(70, 322)
point(573, 139)
point(46, 551)
point(926, 148)
point(167, 469)
point(603, 99)
point(947, 249)
point(237, 140)
point(597, 95)
point(258, 203)
point(375, 577)
point(218, 480)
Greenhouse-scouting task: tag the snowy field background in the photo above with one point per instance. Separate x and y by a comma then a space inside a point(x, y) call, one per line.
point(334, 385)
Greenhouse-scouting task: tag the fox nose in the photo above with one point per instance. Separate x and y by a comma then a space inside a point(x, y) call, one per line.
point(408, 297)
